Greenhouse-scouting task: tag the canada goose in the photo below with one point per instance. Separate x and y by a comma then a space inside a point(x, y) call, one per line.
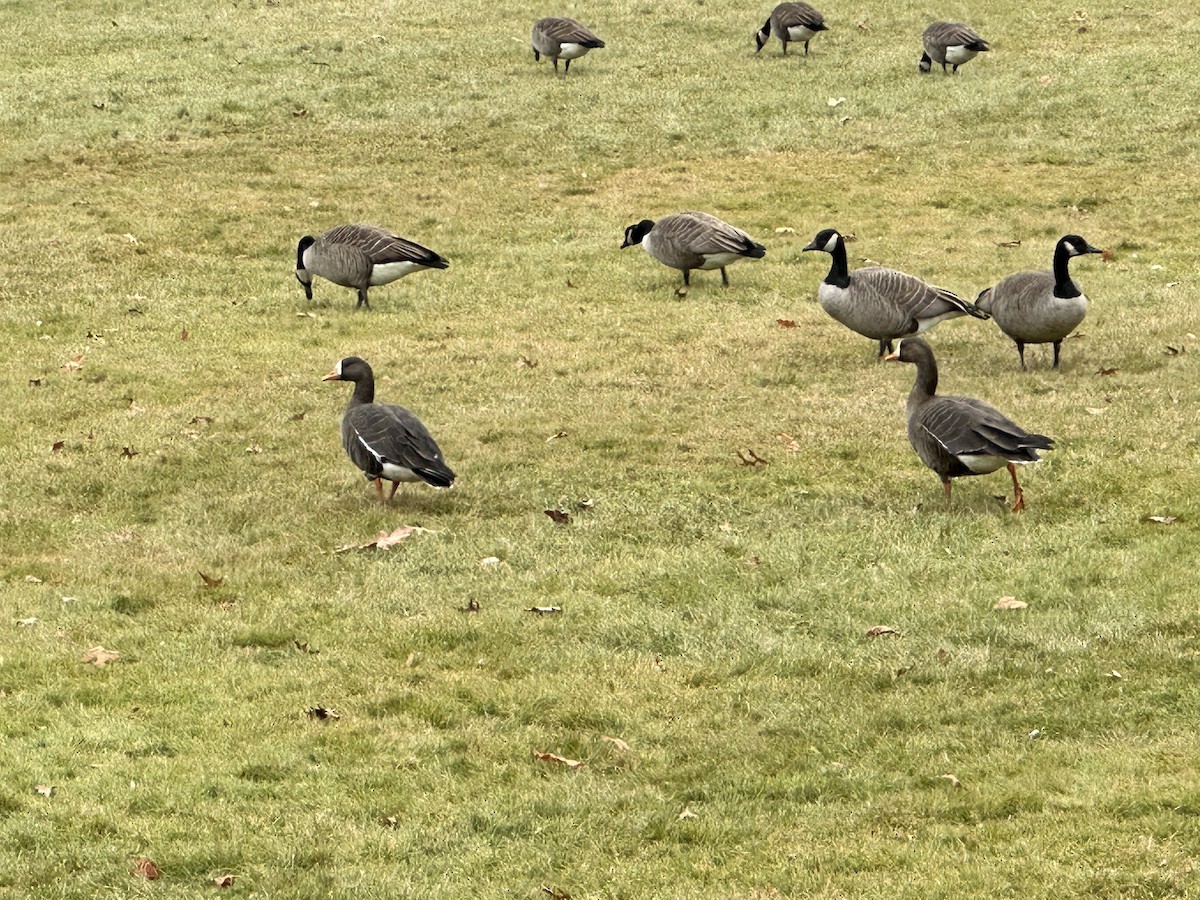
point(950, 42)
point(791, 22)
point(880, 303)
point(562, 38)
point(385, 441)
point(359, 256)
point(694, 240)
point(960, 435)
point(1040, 307)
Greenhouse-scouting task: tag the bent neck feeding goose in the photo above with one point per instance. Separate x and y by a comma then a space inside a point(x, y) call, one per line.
point(879, 303)
point(791, 22)
point(386, 442)
point(1040, 307)
point(360, 256)
point(562, 38)
point(958, 436)
point(693, 240)
point(950, 42)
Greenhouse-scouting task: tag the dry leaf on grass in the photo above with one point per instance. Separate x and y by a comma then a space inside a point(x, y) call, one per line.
point(33, 579)
point(27, 623)
point(201, 420)
point(74, 364)
point(786, 323)
point(46, 790)
point(211, 581)
point(748, 457)
point(183, 335)
point(544, 610)
point(790, 443)
point(524, 362)
point(561, 760)
point(224, 881)
point(128, 453)
point(558, 517)
point(617, 743)
point(880, 630)
point(323, 713)
point(57, 446)
point(384, 540)
point(302, 646)
point(1104, 371)
point(555, 893)
point(1009, 244)
point(586, 503)
point(145, 868)
point(688, 814)
point(1009, 603)
point(556, 436)
point(953, 779)
point(471, 607)
point(1162, 520)
point(99, 657)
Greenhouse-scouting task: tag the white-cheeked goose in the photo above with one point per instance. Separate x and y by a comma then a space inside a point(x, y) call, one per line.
point(558, 38)
point(360, 257)
point(388, 443)
point(791, 22)
point(957, 436)
point(880, 303)
point(694, 240)
point(950, 43)
point(1040, 307)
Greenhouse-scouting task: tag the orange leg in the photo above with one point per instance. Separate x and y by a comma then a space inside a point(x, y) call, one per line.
point(379, 487)
point(395, 487)
point(1018, 494)
point(946, 488)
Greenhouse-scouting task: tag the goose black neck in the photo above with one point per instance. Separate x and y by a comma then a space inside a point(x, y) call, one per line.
point(1064, 287)
point(364, 389)
point(927, 377)
point(839, 272)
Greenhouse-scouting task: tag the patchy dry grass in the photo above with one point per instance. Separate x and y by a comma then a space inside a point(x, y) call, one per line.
point(156, 169)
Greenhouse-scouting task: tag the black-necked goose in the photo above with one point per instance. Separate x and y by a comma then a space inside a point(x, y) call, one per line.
point(694, 240)
point(958, 436)
point(1040, 307)
point(359, 257)
point(387, 442)
point(558, 38)
point(950, 42)
point(791, 22)
point(881, 303)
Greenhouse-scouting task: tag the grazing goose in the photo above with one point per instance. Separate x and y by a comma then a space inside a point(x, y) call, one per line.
point(385, 441)
point(562, 38)
point(880, 303)
point(694, 240)
point(359, 256)
point(1040, 307)
point(950, 42)
point(791, 22)
point(960, 435)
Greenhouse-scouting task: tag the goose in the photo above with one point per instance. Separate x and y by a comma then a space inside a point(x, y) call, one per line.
point(562, 38)
point(958, 436)
point(386, 441)
point(693, 240)
point(1040, 307)
point(880, 303)
point(360, 256)
point(950, 42)
point(791, 22)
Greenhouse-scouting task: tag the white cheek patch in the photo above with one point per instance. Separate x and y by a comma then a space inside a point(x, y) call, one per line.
point(831, 244)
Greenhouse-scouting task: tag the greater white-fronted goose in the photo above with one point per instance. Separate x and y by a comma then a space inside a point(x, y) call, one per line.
point(950, 42)
point(558, 37)
point(958, 436)
point(694, 240)
point(387, 442)
point(1040, 307)
point(791, 22)
point(880, 303)
point(359, 257)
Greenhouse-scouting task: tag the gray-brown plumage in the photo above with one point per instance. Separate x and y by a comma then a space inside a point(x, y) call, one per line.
point(958, 436)
point(791, 22)
point(882, 303)
point(950, 42)
point(558, 38)
point(1040, 307)
point(386, 442)
point(694, 240)
point(360, 256)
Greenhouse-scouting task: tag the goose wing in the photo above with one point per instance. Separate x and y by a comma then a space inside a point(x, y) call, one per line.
point(909, 299)
point(379, 437)
point(800, 15)
point(382, 247)
point(562, 30)
point(704, 235)
point(954, 34)
point(968, 427)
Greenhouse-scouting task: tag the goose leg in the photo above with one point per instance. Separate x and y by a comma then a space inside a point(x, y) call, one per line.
point(395, 486)
point(566, 68)
point(1018, 494)
point(555, 58)
point(1057, 347)
point(806, 48)
point(724, 277)
point(784, 47)
point(687, 278)
point(537, 57)
point(379, 487)
point(1021, 352)
point(362, 299)
point(947, 487)
point(885, 346)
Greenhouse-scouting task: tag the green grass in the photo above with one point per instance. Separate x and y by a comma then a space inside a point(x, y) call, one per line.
point(156, 169)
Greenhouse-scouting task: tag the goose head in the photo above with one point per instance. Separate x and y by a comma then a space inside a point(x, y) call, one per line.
point(352, 368)
point(635, 233)
point(826, 240)
point(302, 274)
point(1077, 246)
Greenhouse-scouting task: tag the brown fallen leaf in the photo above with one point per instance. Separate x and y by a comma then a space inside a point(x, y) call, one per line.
point(211, 581)
point(145, 868)
point(749, 458)
point(953, 779)
point(617, 743)
point(387, 540)
point(1104, 371)
point(323, 713)
point(128, 453)
point(524, 362)
point(46, 790)
point(790, 443)
point(57, 446)
point(1009, 603)
point(391, 821)
point(1009, 244)
point(558, 517)
point(183, 335)
point(35, 382)
point(99, 657)
point(1162, 520)
point(786, 323)
point(561, 760)
point(74, 364)
point(201, 420)
point(224, 881)
point(33, 579)
point(942, 655)
point(688, 814)
point(556, 436)
point(1106, 255)
point(555, 893)
point(299, 417)
point(544, 610)
point(1172, 351)
point(302, 646)
point(880, 630)
point(300, 112)
point(27, 623)
point(471, 607)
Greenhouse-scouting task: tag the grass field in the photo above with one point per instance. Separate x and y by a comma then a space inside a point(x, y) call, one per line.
point(175, 490)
